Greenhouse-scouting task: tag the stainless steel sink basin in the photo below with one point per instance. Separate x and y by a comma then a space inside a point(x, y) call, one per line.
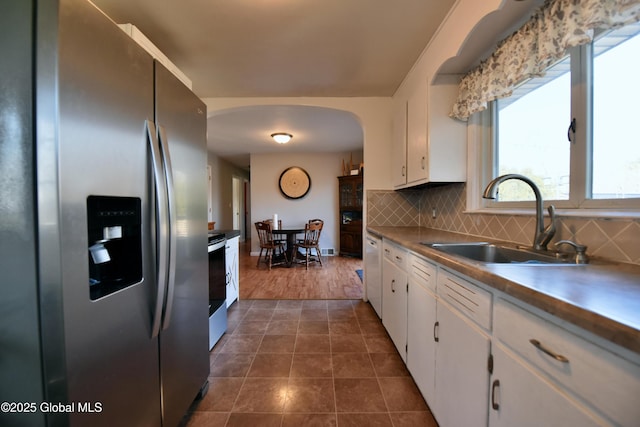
point(493, 253)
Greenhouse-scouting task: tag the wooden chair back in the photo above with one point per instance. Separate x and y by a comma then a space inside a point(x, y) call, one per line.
point(264, 234)
point(270, 222)
point(312, 232)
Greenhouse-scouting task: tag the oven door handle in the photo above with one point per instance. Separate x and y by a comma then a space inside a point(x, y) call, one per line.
point(218, 245)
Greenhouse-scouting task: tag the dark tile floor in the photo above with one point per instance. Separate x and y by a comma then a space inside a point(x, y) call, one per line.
point(308, 363)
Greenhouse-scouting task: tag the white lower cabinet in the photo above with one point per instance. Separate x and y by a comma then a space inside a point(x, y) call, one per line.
point(520, 397)
point(462, 376)
point(421, 345)
point(584, 374)
point(394, 296)
point(233, 277)
point(482, 358)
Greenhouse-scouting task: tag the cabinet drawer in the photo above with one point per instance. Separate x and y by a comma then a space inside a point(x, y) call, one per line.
point(468, 298)
point(606, 381)
point(422, 272)
point(395, 254)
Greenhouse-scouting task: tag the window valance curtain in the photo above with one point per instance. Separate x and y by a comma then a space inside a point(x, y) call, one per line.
point(542, 40)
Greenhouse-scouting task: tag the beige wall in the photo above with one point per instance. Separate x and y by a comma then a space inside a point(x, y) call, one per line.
point(321, 201)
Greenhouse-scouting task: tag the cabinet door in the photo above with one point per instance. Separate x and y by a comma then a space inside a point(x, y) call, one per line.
point(399, 147)
point(417, 136)
point(421, 351)
point(446, 138)
point(521, 398)
point(231, 259)
point(347, 194)
point(350, 243)
point(394, 301)
point(462, 377)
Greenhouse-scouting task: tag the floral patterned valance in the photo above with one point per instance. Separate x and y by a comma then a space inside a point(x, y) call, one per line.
point(542, 40)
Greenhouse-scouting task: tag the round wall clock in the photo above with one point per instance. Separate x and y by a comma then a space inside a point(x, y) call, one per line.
point(294, 182)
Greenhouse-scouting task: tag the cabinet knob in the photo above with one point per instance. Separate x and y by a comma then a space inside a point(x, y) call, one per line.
point(393, 285)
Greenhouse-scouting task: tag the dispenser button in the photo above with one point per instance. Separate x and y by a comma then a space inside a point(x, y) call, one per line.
point(114, 232)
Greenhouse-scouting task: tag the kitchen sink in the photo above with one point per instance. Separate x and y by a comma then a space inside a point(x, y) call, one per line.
point(495, 253)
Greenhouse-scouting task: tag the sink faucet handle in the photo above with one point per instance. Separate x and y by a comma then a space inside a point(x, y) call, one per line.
point(547, 233)
point(581, 255)
point(551, 229)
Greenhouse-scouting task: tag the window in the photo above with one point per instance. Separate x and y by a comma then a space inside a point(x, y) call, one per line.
point(596, 85)
point(616, 145)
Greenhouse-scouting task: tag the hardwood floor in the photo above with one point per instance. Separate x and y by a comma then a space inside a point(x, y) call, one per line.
point(336, 279)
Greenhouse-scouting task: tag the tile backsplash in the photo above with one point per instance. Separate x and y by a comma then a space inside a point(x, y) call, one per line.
point(615, 239)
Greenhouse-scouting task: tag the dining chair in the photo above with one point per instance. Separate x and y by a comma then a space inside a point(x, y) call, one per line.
point(310, 243)
point(316, 220)
point(276, 240)
point(269, 245)
point(270, 221)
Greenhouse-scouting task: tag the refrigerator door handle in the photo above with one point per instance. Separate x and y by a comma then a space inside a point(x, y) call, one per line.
point(161, 239)
point(168, 171)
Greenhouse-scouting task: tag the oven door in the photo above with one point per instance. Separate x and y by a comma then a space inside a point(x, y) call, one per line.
point(217, 291)
point(217, 275)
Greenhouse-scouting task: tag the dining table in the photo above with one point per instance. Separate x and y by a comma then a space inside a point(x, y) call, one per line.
point(290, 234)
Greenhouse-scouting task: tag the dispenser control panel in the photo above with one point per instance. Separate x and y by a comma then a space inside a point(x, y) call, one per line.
point(114, 226)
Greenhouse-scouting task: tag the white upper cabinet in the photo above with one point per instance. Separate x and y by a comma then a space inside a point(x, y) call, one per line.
point(446, 137)
point(417, 136)
point(429, 146)
point(399, 148)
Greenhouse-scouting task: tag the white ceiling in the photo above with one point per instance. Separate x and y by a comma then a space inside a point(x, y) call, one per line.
point(286, 48)
point(234, 133)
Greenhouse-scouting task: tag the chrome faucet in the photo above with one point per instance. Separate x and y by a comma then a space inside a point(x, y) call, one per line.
point(543, 235)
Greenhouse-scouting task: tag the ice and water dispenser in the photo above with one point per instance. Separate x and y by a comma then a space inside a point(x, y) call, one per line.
point(115, 243)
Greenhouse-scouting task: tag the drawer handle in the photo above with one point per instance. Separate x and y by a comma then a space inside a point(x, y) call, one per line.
point(537, 344)
point(494, 386)
point(393, 287)
point(436, 327)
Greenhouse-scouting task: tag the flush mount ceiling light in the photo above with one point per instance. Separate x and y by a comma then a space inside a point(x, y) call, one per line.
point(281, 137)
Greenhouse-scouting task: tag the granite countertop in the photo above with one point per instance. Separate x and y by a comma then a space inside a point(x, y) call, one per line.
point(602, 298)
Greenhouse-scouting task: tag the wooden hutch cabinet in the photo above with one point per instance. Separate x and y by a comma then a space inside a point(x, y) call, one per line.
point(350, 192)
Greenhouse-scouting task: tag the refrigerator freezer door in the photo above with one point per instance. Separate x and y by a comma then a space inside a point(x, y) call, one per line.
point(184, 351)
point(21, 367)
point(105, 96)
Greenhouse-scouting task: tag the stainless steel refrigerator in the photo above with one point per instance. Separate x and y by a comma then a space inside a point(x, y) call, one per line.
point(103, 225)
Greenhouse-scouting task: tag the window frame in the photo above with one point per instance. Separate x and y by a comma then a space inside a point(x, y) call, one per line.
point(482, 148)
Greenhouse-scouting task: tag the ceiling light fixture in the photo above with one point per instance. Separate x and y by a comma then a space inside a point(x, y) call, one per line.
point(281, 137)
